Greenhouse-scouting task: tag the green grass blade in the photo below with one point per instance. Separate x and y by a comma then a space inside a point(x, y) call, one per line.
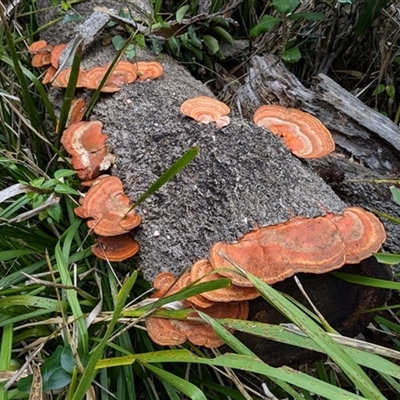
point(320, 337)
point(243, 363)
point(90, 370)
point(367, 281)
point(6, 355)
point(69, 93)
point(185, 387)
point(168, 174)
point(110, 70)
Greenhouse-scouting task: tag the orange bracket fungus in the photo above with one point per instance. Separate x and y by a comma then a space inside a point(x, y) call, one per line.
point(124, 73)
point(85, 142)
point(202, 271)
point(303, 134)
point(276, 252)
point(115, 248)
point(41, 52)
point(148, 70)
point(108, 208)
point(62, 79)
point(170, 332)
point(362, 233)
point(56, 53)
point(204, 110)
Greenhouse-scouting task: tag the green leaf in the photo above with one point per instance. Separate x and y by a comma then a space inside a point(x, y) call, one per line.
point(266, 23)
point(180, 14)
point(193, 38)
point(118, 42)
point(65, 189)
point(292, 55)
point(168, 174)
point(55, 212)
point(378, 90)
point(211, 43)
point(370, 10)
point(62, 173)
point(54, 376)
point(224, 34)
point(391, 91)
point(285, 6)
point(396, 194)
point(309, 16)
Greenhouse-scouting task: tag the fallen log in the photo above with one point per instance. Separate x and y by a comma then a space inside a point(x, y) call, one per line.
point(243, 177)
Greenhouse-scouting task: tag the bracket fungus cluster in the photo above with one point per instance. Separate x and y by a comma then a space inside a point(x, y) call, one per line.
point(315, 245)
point(204, 110)
point(274, 253)
point(105, 206)
point(109, 214)
point(124, 72)
point(303, 134)
point(169, 332)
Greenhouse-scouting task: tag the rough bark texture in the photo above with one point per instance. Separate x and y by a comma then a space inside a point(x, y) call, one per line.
point(243, 176)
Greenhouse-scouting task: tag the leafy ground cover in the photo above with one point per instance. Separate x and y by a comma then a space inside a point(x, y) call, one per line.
point(72, 325)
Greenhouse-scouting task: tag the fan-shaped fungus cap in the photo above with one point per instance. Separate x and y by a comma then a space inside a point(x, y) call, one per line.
point(198, 300)
point(85, 142)
point(36, 46)
point(48, 76)
point(124, 73)
point(362, 233)
point(62, 78)
point(76, 111)
point(201, 334)
point(148, 70)
point(169, 332)
point(202, 271)
point(108, 208)
point(115, 248)
point(303, 134)
point(56, 53)
point(204, 110)
point(42, 57)
point(276, 252)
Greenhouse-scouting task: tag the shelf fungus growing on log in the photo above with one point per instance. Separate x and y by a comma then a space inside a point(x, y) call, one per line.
point(56, 53)
point(86, 143)
point(202, 271)
point(41, 52)
point(108, 208)
point(170, 332)
point(303, 134)
point(204, 110)
point(115, 248)
point(62, 79)
point(148, 70)
point(312, 245)
point(362, 233)
point(123, 74)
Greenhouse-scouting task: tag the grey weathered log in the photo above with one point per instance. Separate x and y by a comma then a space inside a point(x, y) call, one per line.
point(343, 101)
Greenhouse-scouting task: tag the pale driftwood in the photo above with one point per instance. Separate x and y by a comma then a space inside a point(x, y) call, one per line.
point(344, 102)
point(356, 127)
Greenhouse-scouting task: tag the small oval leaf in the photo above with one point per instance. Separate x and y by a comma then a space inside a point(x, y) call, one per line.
point(180, 14)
